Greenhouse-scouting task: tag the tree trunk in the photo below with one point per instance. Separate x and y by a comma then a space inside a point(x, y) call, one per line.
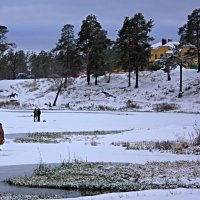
point(88, 68)
point(136, 77)
point(88, 76)
point(13, 74)
point(129, 78)
point(181, 82)
point(13, 71)
point(58, 92)
point(198, 59)
point(65, 82)
point(96, 79)
point(168, 76)
point(198, 49)
point(108, 81)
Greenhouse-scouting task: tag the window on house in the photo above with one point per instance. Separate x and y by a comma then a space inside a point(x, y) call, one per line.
point(156, 56)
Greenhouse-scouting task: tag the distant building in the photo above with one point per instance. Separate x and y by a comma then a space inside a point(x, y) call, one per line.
point(21, 76)
point(192, 60)
point(165, 48)
point(162, 49)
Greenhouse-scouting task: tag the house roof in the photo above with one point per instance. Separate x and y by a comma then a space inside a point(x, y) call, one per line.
point(156, 45)
point(168, 44)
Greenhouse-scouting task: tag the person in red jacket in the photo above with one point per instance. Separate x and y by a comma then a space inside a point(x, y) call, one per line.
point(1, 134)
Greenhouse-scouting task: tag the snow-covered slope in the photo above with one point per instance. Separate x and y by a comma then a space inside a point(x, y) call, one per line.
point(155, 93)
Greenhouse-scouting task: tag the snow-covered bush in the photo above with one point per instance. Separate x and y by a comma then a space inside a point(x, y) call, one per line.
point(132, 105)
point(163, 107)
point(114, 176)
point(9, 104)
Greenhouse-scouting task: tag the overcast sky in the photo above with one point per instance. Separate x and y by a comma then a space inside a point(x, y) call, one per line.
point(35, 25)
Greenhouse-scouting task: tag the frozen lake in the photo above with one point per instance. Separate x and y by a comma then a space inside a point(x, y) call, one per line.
point(142, 127)
point(139, 126)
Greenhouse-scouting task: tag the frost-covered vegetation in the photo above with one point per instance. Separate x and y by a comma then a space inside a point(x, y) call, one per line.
point(53, 137)
point(110, 177)
point(179, 146)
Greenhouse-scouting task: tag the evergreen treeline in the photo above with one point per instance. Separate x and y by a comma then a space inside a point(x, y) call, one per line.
point(91, 52)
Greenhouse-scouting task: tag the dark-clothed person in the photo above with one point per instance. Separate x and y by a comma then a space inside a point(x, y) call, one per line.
point(1, 135)
point(35, 115)
point(38, 114)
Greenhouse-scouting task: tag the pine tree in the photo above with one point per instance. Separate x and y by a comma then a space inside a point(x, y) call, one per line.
point(190, 32)
point(67, 53)
point(112, 59)
point(4, 45)
point(167, 64)
point(16, 62)
point(170, 62)
point(92, 43)
point(134, 44)
point(42, 64)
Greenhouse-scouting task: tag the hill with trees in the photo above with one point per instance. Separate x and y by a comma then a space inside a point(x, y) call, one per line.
point(156, 93)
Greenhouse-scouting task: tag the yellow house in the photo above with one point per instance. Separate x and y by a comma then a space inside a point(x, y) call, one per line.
point(165, 48)
point(162, 49)
point(191, 62)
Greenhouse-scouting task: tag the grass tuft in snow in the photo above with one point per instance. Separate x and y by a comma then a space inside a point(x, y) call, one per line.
point(180, 146)
point(56, 137)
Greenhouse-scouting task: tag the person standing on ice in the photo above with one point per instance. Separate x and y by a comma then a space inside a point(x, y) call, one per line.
point(1, 135)
point(35, 115)
point(38, 114)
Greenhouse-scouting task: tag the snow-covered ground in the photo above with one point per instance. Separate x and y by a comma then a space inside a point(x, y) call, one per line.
point(154, 90)
point(177, 194)
point(138, 126)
